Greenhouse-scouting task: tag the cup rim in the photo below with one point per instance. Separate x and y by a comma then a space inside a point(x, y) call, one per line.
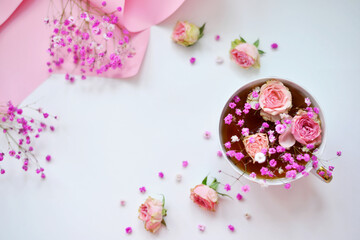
point(308, 166)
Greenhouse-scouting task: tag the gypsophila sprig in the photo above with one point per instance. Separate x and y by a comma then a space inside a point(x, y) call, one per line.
point(87, 37)
point(21, 132)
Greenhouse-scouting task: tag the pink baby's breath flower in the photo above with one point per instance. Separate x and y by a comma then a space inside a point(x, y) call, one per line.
point(238, 112)
point(161, 175)
point(201, 228)
point(192, 60)
point(237, 99)
point(338, 153)
point(123, 203)
point(245, 132)
point(227, 187)
point(207, 134)
point(246, 111)
point(239, 156)
point(274, 46)
point(280, 128)
point(231, 228)
point(128, 230)
point(228, 145)
point(185, 164)
point(239, 196)
point(142, 189)
point(265, 125)
point(245, 188)
point(48, 158)
point(217, 37)
point(287, 186)
point(308, 101)
point(219, 154)
point(331, 168)
point(240, 122)
point(253, 175)
point(232, 105)
point(272, 162)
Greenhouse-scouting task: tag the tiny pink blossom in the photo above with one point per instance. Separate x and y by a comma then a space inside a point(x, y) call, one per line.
point(228, 145)
point(122, 203)
point(265, 125)
point(161, 175)
point(239, 196)
point(272, 162)
point(219, 154)
point(253, 175)
point(287, 186)
point(217, 37)
point(142, 189)
point(185, 164)
point(232, 105)
point(237, 99)
point(240, 122)
point(245, 188)
point(201, 228)
point(227, 187)
point(274, 46)
point(308, 101)
point(192, 60)
point(338, 153)
point(331, 168)
point(231, 228)
point(207, 135)
point(128, 230)
point(238, 112)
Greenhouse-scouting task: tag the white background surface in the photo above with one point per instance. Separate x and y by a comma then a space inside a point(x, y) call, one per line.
point(114, 136)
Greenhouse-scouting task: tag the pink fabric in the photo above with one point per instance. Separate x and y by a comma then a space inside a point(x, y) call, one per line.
point(24, 39)
point(7, 7)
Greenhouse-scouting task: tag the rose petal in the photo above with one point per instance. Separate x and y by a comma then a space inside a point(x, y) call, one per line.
point(287, 139)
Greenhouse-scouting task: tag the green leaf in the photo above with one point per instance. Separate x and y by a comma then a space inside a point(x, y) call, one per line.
point(163, 222)
point(235, 43)
point(204, 181)
point(242, 40)
point(201, 29)
point(256, 43)
point(214, 185)
point(163, 200)
point(261, 51)
point(164, 212)
point(224, 195)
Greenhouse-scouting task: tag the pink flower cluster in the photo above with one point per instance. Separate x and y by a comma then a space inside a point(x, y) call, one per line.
point(21, 133)
point(91, 40)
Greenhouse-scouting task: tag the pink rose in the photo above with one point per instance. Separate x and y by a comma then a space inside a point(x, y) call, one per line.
point(306, 129)
point(274, 99)
point(255, 143)
point(187, 34)
point(245, 55)
point(152, 212)
point(204, 196)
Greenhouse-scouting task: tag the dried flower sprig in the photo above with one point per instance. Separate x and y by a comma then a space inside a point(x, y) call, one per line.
point(20, 132)
point(88, 37)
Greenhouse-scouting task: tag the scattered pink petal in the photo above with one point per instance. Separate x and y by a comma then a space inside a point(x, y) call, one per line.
point(287, 186)
point(185, 164)
point(122, 203)
point(219, 154)
point(245, 188)
point(217, 37)
point(161, 175)
point(192, 60)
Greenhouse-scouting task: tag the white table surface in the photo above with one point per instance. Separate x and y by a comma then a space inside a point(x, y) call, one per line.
point(113, 136)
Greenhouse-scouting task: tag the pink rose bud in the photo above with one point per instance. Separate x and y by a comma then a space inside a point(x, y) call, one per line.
point(245, 55)
point(260, 142)
point(204, 196)
point(152, 213)
point(187, 34)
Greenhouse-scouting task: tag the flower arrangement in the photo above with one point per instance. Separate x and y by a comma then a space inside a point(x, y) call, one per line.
point(87, 37)
point(187, 34)
point(244, 54)
point(152, 212)
point(273, 132)
point(21, 132)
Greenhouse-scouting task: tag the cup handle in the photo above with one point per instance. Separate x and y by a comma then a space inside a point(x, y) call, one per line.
point(322, 173)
